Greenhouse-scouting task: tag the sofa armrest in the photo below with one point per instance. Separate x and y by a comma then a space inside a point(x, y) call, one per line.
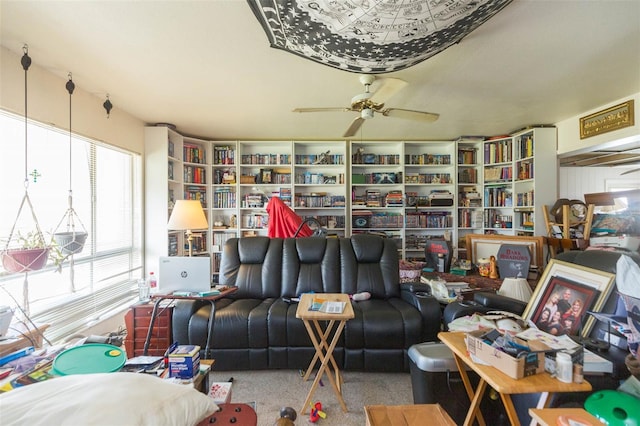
point(429, 309)
point(482, 302)
point(416, 287)
point(498, 302)
point(183, 310)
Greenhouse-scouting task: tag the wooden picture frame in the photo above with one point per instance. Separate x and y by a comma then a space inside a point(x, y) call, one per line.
point(570, 282)
point(484, 246)
point(266, 175)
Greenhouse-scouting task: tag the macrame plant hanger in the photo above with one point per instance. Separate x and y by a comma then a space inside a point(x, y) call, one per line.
point(68, 238)
point(25, 253)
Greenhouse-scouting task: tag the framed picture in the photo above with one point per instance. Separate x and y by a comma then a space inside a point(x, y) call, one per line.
point(563, 296)
point(484, 246)
point(265, 175)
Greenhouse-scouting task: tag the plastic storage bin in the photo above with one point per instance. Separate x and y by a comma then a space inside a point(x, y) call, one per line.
point(435, 379)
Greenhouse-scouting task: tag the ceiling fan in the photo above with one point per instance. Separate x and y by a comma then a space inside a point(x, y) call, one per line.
point(368, 103)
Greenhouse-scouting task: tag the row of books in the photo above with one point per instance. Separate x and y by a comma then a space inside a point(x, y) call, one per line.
point(367, 158)
point(498, 152)
point(275, 159)
point(524, 145)
point(468, 218)
point(376, 178)
point(498, 197)
point(255, 220)
point(309, 178)
point(467, 155)
point(427, 178)
point(223, 155)
point(194, 174)
point(193, 154)
point(325, 158)
point(525, 169)
point(524, 199)
point(319, 200)
point(427, 159)
point(429, 220)
point(224, 198)
point(468, 176)
point(196, 193)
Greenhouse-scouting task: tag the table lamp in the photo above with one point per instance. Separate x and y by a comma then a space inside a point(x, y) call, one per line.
point(516, 288)
point(187, 215)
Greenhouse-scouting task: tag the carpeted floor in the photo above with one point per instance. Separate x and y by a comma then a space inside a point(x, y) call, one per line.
point(270, 390)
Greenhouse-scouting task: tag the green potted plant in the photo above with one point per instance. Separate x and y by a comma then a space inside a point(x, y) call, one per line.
point(30, 253)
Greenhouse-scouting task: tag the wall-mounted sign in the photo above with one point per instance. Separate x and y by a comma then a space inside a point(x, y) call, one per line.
point(613, 118)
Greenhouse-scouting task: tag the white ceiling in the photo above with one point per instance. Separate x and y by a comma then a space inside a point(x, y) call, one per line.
point(206, 66)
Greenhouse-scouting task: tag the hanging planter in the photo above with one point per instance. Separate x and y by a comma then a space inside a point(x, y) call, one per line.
point(24, 260)
point(70, 242)
point(25, 252)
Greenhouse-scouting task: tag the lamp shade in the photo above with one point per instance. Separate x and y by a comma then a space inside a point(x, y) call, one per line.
point(516, 288)
point(187, 215)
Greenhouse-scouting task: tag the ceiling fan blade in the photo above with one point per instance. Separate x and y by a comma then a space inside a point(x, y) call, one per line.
point(629, 171)
point(390, 86)
point(410, 114)
point(336, 109)
point(353, 127)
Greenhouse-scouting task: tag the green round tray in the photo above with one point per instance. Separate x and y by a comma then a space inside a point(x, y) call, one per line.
point(88, 359)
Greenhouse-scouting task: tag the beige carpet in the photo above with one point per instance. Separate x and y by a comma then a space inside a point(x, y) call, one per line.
point(270, 390)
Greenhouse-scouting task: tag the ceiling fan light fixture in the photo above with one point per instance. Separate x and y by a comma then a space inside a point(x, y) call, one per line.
point(366, 113)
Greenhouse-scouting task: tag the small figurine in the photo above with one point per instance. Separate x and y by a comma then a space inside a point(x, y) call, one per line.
point(232, 221)
point(493, 268)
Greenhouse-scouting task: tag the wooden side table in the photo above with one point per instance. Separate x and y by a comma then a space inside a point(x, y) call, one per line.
point(137, 321)
point(541, 383)
point(320, 339)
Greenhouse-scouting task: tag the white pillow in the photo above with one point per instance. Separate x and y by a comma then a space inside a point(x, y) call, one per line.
point(105, 399)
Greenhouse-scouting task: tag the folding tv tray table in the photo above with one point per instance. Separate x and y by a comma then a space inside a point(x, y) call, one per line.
point(320, 339)
point(542, 383)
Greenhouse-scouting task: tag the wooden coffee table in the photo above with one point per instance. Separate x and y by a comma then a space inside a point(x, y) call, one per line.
point(320, 339)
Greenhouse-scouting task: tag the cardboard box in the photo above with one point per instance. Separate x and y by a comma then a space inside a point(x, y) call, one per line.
point(407, 415)
point(184, 361)
point(514, 367)
point(220, 392)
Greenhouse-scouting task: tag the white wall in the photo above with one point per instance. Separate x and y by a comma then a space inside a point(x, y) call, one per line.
point(48, 102)
point(574, 182)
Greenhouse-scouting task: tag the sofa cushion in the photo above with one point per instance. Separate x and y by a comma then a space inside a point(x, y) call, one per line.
point(310, 265)
point(370, 263)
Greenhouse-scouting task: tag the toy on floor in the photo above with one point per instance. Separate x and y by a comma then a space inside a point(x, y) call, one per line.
point(316, 412)
point(287, 417)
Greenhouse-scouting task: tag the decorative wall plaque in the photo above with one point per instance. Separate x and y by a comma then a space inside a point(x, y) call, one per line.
point(607, 120)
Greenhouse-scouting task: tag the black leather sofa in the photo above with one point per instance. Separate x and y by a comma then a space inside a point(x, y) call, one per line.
point(256, 327)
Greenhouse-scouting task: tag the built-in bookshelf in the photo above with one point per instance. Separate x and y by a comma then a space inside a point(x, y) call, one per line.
point(320, 183)
point(470, 212)
point(429, 187)
point(409, 191)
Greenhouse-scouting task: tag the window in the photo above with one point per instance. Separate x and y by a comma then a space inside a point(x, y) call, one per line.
point(106, 189)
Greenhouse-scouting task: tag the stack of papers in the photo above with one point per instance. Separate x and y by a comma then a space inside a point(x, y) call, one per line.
point(323, 305)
